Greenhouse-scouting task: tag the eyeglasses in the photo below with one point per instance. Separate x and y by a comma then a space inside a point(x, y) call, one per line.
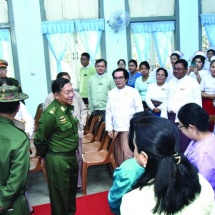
point(180, 126)
point(179, 69)
point(118, 78)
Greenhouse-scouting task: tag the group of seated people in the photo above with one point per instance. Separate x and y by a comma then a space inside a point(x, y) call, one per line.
point(160, 179)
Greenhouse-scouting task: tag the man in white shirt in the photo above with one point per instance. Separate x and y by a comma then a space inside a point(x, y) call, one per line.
point(123, 102)
point(181, 90)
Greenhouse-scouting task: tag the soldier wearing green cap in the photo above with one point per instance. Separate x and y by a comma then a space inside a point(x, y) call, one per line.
point(56, 140)
point(3, 73)
point(14, 155)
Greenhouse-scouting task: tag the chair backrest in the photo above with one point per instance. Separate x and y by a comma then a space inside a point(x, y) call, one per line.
point(40, 109)
point(87, 125)
point(108, 145)
point(94, 124)
point(100, 133)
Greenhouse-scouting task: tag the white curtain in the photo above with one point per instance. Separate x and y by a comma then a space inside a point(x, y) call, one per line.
point(90, 32)
point(162, 34)
point(208, 21)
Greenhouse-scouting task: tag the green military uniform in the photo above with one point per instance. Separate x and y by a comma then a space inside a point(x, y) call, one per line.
point(14, 166)
point(57, 140)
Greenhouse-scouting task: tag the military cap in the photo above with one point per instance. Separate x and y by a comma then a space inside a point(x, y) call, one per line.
point(11, 94)
point(3, 63)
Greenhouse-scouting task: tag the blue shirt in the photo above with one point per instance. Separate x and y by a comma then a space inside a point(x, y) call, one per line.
point(125, 177)
point(132, 79)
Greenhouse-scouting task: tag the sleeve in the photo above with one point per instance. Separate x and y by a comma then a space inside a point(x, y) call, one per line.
point(17, 176)
point(164, 105)
point(108, 117)
point(45, 128)
point(136, 85)
point(202, 85)
point(28, 119)
point(90, 94)
point(197, 96)
point(148, 98)
point(121, 185)
point(203, 161)
point(138, 105)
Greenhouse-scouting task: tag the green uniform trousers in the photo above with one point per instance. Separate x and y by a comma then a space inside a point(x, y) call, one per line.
point(62, 173)
point(19, 207)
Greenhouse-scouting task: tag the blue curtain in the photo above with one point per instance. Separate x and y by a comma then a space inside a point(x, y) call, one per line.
point(90, 32)
point(58, 34)
point(208, 21)
point(4, 37)
point(162, 34)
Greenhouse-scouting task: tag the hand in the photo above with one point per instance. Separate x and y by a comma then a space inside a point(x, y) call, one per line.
point(1, 208)
point(112, 134)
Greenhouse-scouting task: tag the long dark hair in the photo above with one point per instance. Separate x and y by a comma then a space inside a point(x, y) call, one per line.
point(175, 180)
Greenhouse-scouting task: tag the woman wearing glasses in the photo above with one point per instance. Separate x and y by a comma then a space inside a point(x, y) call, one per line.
point(193, 122)
point(170, 184)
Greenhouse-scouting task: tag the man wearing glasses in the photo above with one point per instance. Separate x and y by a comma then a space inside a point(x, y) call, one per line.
point(123, 102)
point(99, 85)
point(181, 90)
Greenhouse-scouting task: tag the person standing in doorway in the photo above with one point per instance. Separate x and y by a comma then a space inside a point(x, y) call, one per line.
point(86, 72)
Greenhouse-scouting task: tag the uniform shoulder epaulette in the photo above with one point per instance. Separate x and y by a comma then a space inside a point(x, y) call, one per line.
point(53, 110)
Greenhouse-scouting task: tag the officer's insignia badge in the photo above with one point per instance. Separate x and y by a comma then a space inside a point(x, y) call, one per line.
point(63, 120)
point(52, 111)
point(62, 108)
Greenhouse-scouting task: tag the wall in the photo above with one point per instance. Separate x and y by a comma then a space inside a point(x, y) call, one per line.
point(30, 49)
point(116, 43)
point(189, 27)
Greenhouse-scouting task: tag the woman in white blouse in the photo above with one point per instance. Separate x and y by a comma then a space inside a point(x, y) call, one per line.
point(208, 91)
point(197, 70)
point(157, 91)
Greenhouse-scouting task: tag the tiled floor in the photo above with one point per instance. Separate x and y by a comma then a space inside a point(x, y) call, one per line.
point(99, 179)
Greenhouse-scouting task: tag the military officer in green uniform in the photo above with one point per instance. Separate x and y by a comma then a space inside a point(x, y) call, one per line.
point(3, 73)
point(56, 141)
point(14, 155)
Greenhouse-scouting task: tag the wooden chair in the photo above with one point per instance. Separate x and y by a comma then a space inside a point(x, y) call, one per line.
point(40, 109)
point(87, 125)
point(104, 156)
point(36, 165)
point(91, 135)
point(98, 143)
